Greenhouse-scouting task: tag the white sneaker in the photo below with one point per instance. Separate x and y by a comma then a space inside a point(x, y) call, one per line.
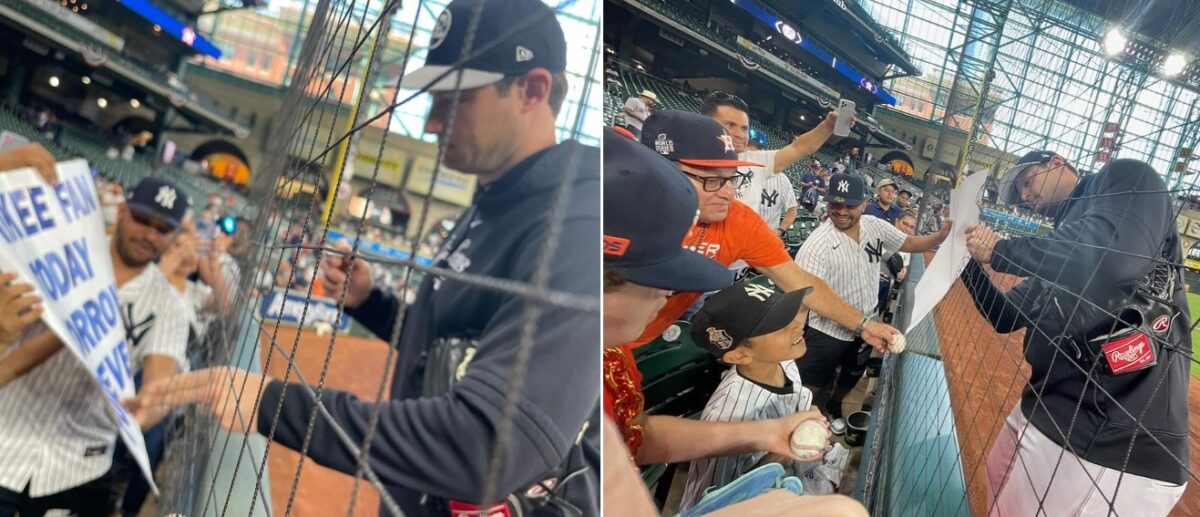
point(838, 426)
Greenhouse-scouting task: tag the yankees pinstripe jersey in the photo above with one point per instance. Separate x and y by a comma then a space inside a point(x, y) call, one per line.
point(751, 192)
point(57, 433)
point(777, 197)
point(850, 268)
point(738, 399)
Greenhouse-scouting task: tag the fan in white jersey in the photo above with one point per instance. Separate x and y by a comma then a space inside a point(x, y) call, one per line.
point(60, 456)
point(734, 114)
point(760, 332)
point(847, 252)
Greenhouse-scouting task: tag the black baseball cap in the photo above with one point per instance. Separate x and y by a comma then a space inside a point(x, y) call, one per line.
point(846, 189)
point(648, 209)
point(742, 311)
point(691, 139)
point(159, 198)
point(512, 37)
point(1008, 182)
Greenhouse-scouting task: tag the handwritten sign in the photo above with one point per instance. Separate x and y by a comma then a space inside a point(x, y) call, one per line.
point(53, 238)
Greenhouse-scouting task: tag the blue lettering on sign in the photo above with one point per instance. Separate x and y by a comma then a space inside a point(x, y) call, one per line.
point(57, 275)
point(37, 195)
point(20, 202)
point(93, 320)
point(82, 195)
point(116, 364)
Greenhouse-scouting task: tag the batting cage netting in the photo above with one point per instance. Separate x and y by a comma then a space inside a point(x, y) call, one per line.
point(286, 318)
point(1058, 362)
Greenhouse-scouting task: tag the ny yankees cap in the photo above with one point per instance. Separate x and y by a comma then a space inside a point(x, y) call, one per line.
point(159, 198)
point(512, 37)
point(846, 189)
point(648, 208)
point(742, 311)
point(1008, 182)
point(691, 139)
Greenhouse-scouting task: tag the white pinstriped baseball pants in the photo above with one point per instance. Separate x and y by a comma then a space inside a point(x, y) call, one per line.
point(1024, 473)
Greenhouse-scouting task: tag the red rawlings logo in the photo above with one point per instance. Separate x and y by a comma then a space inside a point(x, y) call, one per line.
point(1161, 324)
point(1129, 353)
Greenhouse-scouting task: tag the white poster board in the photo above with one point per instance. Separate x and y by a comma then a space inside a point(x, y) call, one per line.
point(53, 238)
point(952, 257)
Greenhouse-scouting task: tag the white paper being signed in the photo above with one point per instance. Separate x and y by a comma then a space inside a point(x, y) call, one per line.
point(952, 257)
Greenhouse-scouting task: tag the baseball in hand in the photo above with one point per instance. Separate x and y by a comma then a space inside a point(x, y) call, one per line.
point(898, 343)
point(808, 440)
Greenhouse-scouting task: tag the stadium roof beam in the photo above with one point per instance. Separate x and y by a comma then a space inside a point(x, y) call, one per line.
point(721, 50)
point(860, 21)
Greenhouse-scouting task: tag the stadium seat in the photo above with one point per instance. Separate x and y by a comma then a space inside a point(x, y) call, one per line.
point(678, 377)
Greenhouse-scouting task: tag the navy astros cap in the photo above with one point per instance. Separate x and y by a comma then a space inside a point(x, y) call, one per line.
point(516, 36)
point(691, 139)
point(648, 209)
point(1008, 182)
point(159, 198)
point(846, 189)
point(742, 311)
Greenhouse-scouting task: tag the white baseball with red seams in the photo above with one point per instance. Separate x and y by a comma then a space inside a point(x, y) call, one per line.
point(809, 439)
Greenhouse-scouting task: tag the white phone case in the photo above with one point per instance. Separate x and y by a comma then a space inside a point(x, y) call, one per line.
point(845, 110)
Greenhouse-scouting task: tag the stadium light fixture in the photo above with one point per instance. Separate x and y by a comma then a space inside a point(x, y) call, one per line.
point(1115, 42)
point(102, 102)
point(86, 80)
point(54, 81)
point(1174, 64)
point(135, 103)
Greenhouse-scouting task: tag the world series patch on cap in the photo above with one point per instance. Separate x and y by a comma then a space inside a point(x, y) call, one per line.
point(648, 208)
point(742, 311)
point(691, 139)
point(511, 37)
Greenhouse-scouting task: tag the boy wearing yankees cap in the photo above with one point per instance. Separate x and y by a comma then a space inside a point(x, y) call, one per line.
point(760, 332)
point(648, 208)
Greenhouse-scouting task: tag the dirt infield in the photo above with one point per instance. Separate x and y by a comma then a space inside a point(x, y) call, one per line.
point(357, 365)
point(986, 373)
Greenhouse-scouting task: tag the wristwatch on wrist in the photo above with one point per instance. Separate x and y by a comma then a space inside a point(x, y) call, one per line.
point(862, 325)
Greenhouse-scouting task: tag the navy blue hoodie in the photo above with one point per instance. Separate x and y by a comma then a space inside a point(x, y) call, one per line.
point(428, 449)
point(1086, 268)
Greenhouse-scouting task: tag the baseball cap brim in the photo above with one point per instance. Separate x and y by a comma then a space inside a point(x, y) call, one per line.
point(1008, 185)
point(684, 270)
point(426, 78)
point(716, 164)
point(844, 201)
point(152, 212)
point(781, 313)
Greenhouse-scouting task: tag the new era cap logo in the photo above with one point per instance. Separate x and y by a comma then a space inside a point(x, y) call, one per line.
point(843, 186)
point(759, 292)
point(524, 54)
point(728, 141)
point(441, 29)
point(165, 197)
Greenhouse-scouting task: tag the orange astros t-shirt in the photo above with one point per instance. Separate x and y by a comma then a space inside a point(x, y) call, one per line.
point(743, 235)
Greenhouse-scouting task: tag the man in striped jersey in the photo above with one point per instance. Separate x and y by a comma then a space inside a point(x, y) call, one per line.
point(760, 332)
point(846, 252)
point(59, 455)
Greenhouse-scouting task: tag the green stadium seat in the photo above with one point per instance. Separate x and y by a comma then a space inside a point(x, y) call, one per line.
point(678, 377)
